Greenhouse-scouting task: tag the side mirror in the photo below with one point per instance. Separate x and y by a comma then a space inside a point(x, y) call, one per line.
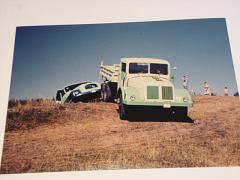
point(172, 77)
point(174, 68)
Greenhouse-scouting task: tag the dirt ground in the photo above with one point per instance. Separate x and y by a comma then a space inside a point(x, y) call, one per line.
point(46, 137)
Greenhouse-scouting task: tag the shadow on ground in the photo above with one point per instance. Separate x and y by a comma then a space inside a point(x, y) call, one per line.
point(145, 114)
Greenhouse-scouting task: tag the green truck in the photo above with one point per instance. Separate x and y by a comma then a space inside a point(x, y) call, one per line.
point(143, 82)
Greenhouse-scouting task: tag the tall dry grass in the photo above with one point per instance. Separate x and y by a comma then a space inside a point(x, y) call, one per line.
point(90, 136)
point(25, 114)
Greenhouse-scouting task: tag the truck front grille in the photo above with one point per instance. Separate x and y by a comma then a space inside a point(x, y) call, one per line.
point(167, 93)
point(152, 92)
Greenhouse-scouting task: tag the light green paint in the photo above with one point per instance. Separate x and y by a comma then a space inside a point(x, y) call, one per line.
point(146, 88)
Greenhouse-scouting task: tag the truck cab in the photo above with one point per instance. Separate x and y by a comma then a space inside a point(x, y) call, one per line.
point(146, 76)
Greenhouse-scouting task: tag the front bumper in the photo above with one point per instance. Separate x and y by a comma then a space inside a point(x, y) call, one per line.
point(164, 104)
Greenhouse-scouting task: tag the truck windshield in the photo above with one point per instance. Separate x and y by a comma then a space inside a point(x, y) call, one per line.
point(159, 69)
point(138, 68)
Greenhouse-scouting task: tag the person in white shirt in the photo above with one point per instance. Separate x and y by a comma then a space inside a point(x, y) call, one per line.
point(226, 91)
point(206, 89)
point(184, 82)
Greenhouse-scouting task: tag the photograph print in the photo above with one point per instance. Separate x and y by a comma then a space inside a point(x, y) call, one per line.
point(158, 94)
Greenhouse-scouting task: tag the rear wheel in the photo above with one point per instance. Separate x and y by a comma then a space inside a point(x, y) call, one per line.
point(122, 109)
point(103, 92)
point(106, 94)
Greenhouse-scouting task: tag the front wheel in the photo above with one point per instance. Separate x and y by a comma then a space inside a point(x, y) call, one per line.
point(122, 109)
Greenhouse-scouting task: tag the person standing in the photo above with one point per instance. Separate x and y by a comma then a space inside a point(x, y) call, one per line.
point(184, 82)
point(206, 89)
point(193, 92)
point(225, 91)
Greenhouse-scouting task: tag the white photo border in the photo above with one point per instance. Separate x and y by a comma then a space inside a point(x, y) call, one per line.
point(31, 12)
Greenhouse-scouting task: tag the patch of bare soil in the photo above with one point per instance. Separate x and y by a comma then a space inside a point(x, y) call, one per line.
point(47, 137)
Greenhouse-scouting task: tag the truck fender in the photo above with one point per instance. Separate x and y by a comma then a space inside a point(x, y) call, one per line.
point(119, 92)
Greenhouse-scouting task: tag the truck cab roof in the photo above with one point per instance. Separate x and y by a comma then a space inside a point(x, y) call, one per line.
point(144, 60)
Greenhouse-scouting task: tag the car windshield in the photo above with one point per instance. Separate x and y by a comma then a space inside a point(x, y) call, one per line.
point(89, 86)
point(71, 87)
point(135, 68)
point(159, 68)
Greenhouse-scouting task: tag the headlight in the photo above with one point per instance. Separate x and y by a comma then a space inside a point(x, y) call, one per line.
point(185, 99)
point(132, 98)
point(76, 92)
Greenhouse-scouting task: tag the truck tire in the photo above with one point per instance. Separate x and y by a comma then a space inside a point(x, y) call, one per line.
point(122, 109)
point(108, 92)
point(103, 92)
point(112, 91)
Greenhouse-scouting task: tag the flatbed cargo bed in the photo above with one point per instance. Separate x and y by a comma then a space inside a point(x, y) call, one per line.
point(110, 72)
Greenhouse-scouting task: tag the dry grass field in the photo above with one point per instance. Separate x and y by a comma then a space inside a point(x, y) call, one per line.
point(44, 137)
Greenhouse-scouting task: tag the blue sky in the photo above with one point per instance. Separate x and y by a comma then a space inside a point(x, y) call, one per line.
point(47, 58)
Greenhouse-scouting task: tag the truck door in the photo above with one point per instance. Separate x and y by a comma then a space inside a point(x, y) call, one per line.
point(123, 74)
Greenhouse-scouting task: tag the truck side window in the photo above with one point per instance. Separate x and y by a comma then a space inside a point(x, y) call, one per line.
point(123, 67)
